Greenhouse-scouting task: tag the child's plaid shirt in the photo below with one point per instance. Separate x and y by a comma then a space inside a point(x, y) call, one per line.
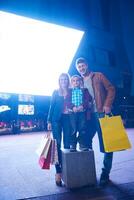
point(77, 96)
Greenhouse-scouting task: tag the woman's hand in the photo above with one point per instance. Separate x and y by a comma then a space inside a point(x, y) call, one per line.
point(49, 126)
point(48, 134)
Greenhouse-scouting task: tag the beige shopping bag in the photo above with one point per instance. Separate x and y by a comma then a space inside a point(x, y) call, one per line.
point(54, 152)
point(44, 145)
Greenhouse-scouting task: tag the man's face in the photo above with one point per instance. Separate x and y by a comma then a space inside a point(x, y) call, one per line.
point(82, 68)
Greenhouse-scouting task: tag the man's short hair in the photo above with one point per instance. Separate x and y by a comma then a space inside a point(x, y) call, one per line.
point(80, 60)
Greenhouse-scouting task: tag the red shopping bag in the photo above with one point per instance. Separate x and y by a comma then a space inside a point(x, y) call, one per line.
point(45, 162)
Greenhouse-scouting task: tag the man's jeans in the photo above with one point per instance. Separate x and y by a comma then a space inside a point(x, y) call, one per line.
point(93, 126)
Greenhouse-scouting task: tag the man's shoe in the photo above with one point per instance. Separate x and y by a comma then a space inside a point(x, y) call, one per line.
point(104, 179)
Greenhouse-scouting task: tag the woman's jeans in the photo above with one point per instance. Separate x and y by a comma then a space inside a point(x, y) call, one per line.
point(93, 126)
point(61, 129)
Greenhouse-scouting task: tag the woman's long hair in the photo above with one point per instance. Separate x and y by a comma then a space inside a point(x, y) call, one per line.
point(61, 90)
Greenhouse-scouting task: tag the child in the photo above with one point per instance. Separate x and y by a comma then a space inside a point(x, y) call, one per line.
point(80, 106)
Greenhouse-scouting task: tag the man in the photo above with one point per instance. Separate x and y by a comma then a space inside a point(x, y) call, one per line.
point(103, 93)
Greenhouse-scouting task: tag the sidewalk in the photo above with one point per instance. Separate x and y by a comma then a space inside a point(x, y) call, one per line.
point(22, 178)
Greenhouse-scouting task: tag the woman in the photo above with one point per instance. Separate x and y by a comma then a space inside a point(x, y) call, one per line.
point(58, 120)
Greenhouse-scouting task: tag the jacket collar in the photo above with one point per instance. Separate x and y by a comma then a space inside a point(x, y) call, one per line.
point(91, 74)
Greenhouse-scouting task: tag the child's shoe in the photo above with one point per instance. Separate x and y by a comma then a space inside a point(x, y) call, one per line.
point(83, 148)
point(73, 148)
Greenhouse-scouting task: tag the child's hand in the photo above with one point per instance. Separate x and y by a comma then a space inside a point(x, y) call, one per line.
point(75, 109)
point(80, 108)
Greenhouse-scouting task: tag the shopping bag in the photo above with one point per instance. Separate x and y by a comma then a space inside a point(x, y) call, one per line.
point(114, 136)
point(54, 153)
point(43, 148)
point(45, 162)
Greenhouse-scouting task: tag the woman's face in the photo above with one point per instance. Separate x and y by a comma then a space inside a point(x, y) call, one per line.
point(64, 81)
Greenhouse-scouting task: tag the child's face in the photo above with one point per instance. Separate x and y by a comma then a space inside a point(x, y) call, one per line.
point(75, 82)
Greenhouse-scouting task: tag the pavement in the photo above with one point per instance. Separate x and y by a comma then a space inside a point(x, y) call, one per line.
point(22, 178)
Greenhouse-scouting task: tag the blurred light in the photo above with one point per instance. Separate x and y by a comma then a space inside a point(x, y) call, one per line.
point(34, 53)
point(4, 108)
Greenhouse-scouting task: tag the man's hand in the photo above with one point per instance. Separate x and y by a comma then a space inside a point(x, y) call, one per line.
point(106, 110)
